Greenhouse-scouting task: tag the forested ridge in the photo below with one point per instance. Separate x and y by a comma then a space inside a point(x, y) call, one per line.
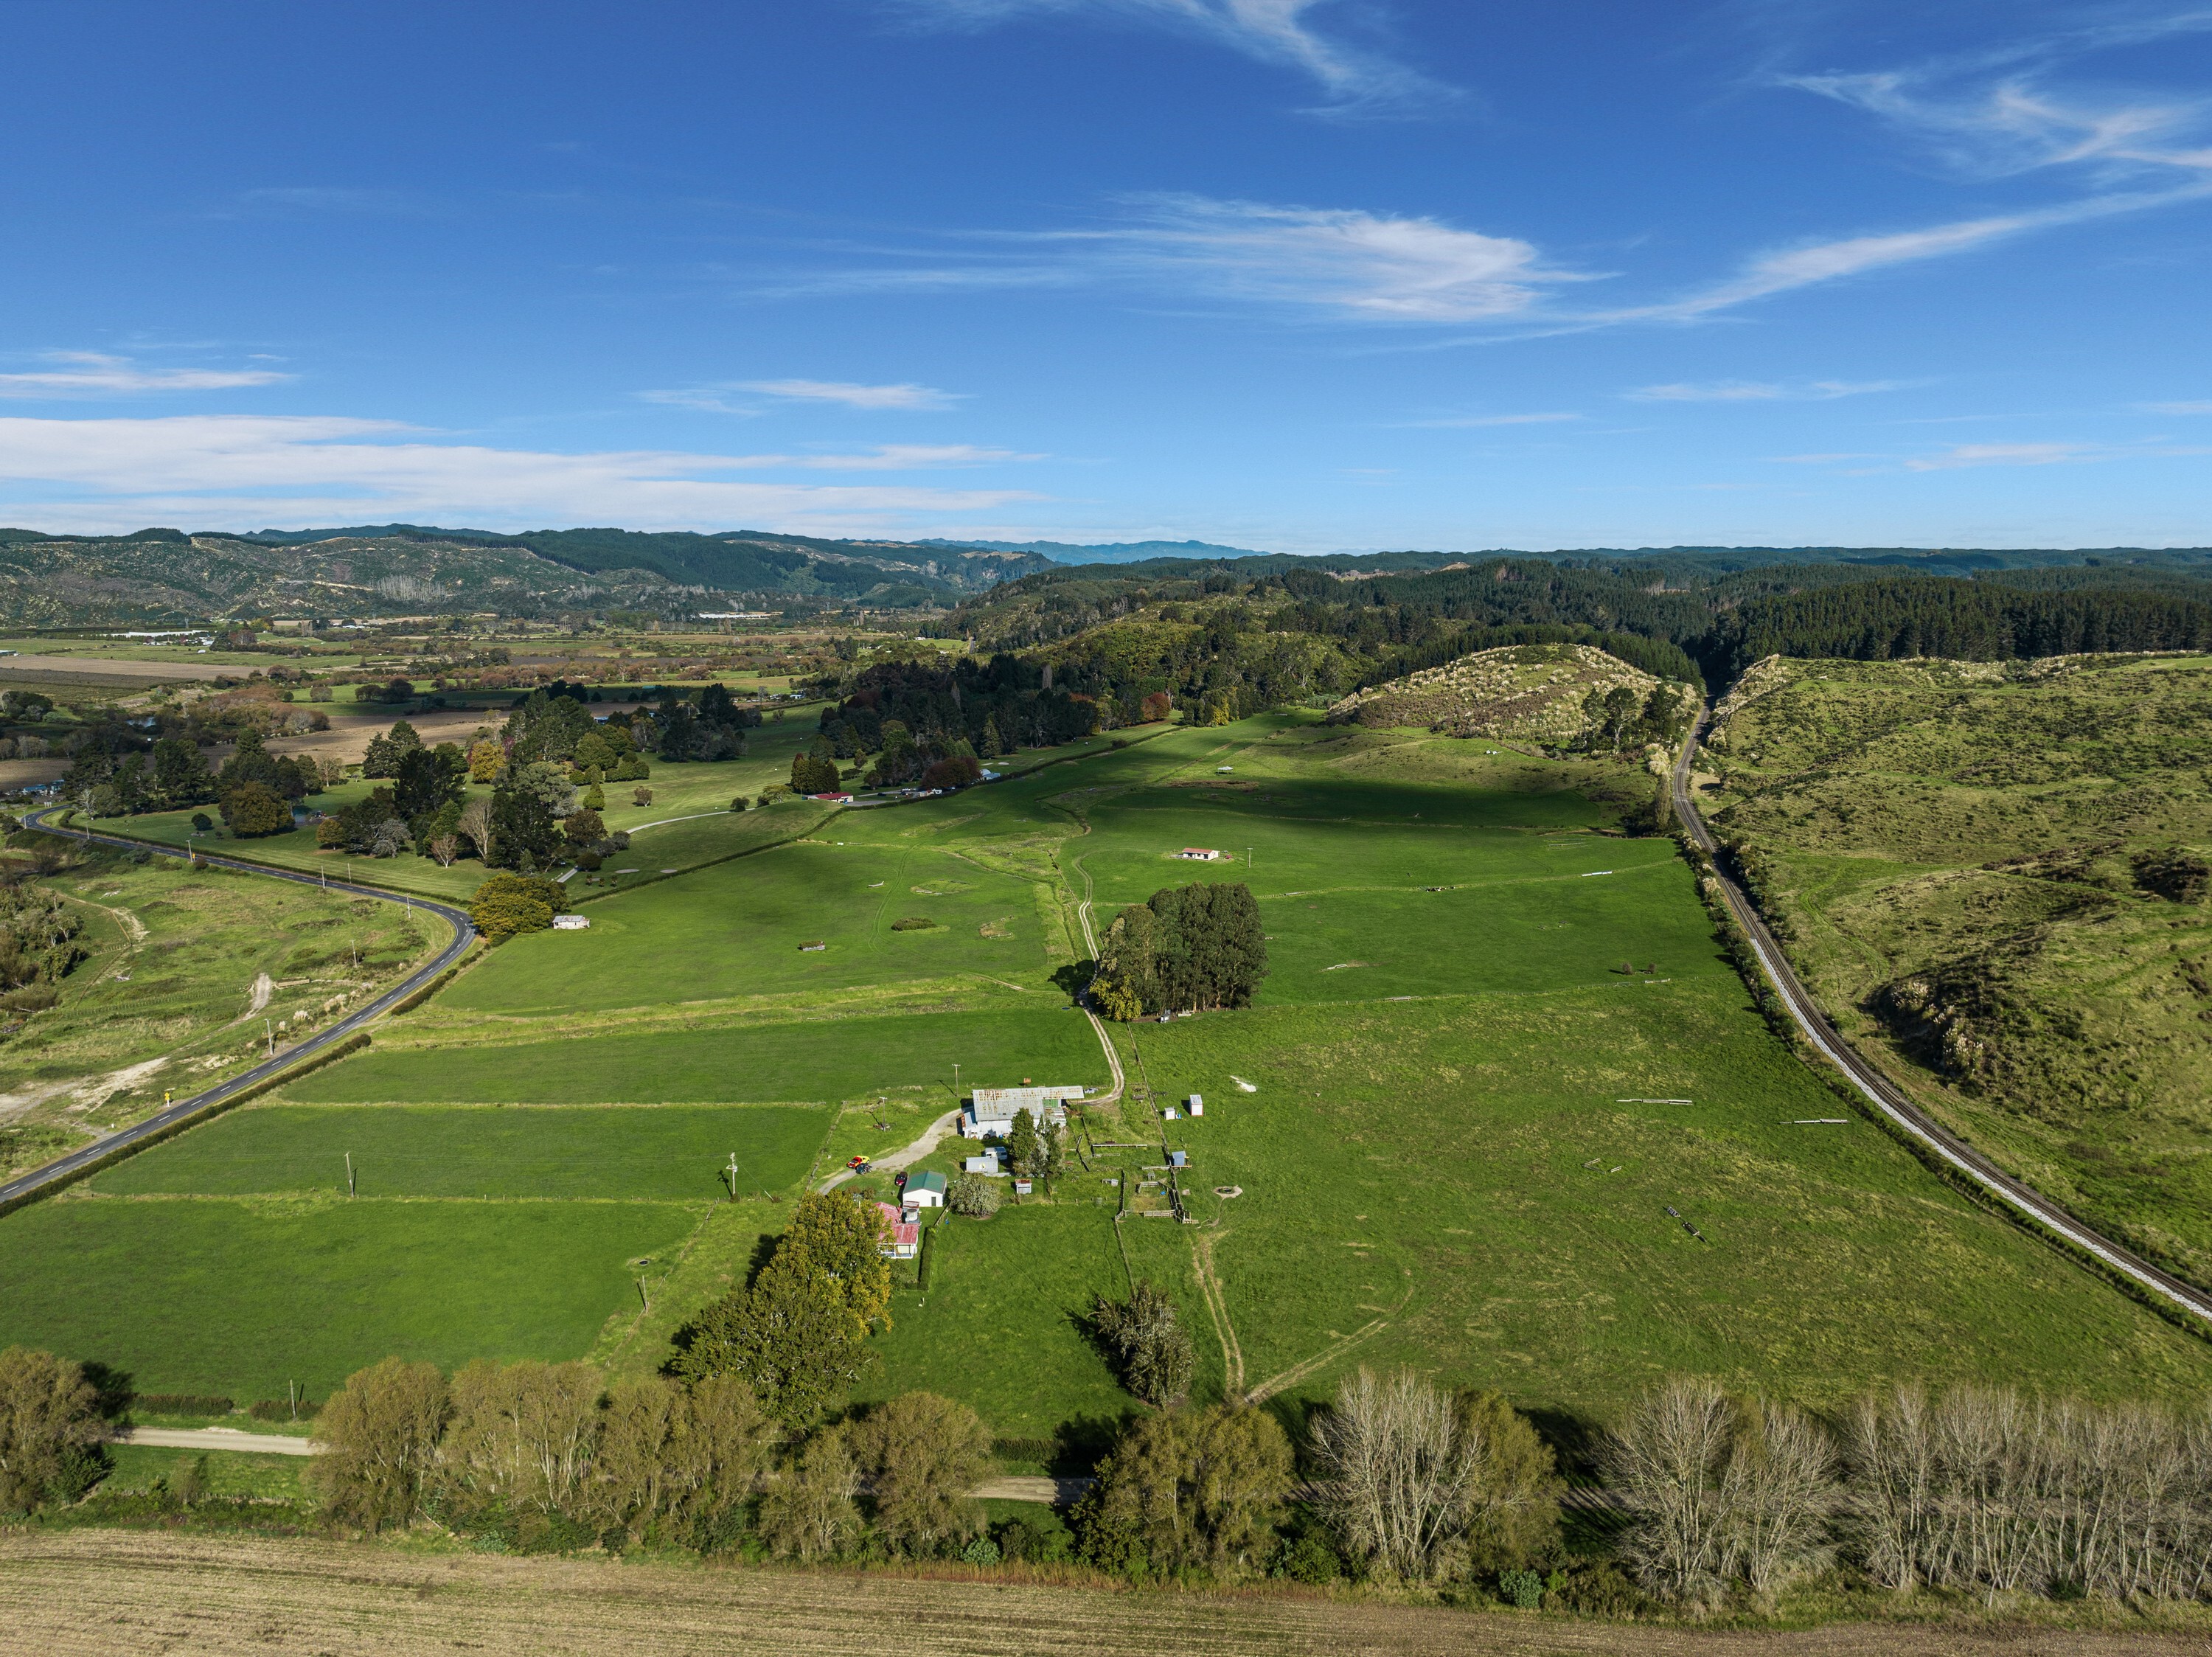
point(1247, 633)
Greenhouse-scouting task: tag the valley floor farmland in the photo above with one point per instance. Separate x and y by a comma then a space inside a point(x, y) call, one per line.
point(1454, 1125)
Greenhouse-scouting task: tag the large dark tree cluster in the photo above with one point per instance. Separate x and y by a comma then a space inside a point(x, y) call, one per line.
point(1184, 949)
point(971, 709)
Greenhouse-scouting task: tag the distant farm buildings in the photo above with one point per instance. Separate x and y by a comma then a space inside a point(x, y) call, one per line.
point(1201, 854)
point(571, 922)
point(992, 1110)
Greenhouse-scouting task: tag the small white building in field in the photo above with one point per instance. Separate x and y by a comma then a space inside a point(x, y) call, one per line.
point(1201, 854)
point(986, 1165)
point(924, 1190)
point(571, 922)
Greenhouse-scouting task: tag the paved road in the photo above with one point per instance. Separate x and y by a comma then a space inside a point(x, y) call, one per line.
point(464, 934)
point(1885, 1095)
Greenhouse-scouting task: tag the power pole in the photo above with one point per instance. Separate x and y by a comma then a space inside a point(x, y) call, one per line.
point(732, 1172)
point(350, 1189)
point(269, 1028)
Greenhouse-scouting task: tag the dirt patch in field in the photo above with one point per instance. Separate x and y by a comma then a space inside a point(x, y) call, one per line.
point(122, 1592)
point(347, 739)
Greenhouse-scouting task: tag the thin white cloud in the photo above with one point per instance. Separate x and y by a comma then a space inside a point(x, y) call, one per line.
point(87, 474)
point(1355, 80)
point(1360, 265)
point(714, 399)
point(1830, 261)
point(908, 396)
point(1461, 421)
point(1762, 391)
point(2003, 455)
point(2176, 408)
point(92, 373)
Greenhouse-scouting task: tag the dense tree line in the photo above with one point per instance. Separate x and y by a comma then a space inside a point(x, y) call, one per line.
point(1184, 949)
point(1684, 619)
point(1968, 621)
point(913, 714)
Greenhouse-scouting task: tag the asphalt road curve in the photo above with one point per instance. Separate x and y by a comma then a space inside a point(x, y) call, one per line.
point(54, 1174)
point(1884, 1094)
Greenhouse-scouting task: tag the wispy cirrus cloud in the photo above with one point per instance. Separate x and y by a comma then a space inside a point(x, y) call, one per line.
point(714, 399)
point(2005, 455)
point(1762, 391)
point(94, 373)
point(1462, 421)
point(2204, 407)
point(1355, 79)
point(1375, 267)
point(238, 469)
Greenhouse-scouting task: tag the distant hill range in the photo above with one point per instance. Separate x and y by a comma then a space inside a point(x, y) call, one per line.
point(166, 577)
point(1108, 552)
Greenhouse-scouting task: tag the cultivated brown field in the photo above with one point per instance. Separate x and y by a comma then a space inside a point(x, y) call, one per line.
point(122, 1592)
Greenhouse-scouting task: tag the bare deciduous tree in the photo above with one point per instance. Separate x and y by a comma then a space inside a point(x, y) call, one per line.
point(1416, 1480)
point(521, 1438)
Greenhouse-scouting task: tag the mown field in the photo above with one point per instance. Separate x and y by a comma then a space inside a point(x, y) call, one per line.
point(1452, 1124)
point(1966, 863)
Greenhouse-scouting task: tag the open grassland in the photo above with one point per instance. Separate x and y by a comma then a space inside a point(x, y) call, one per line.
point(673, 1152)
point(1964, 861)
point(1009, 1293)
point(230, 1473)
point(128, 1592)
point(740, 928)
point(240, 1296)
point(1453, 1123)
point(817, 1059)
point(168, 999)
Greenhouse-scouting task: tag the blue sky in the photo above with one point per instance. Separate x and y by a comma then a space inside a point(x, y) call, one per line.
point(1294, 274)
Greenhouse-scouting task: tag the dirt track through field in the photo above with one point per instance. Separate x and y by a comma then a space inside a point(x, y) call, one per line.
point(126, 1591)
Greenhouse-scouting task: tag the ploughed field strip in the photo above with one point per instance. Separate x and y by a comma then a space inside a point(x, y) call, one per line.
point(1498, 1043)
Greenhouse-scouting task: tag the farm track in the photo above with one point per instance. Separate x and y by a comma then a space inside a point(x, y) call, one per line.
point(56, 1173)
point(1890, 1100)
point(117, 1592)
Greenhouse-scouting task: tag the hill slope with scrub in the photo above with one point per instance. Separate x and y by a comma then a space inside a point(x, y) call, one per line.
point(1994, 876)
point(1552, 693)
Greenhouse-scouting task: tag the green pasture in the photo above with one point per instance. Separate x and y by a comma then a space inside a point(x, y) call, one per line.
point(998, 1328)
point(737, 930)
point(1470, 1184)
point(230, 1473)
point(670, 1153)
point(215, 1295)
point(1444, 1143)
point(816, 1060)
